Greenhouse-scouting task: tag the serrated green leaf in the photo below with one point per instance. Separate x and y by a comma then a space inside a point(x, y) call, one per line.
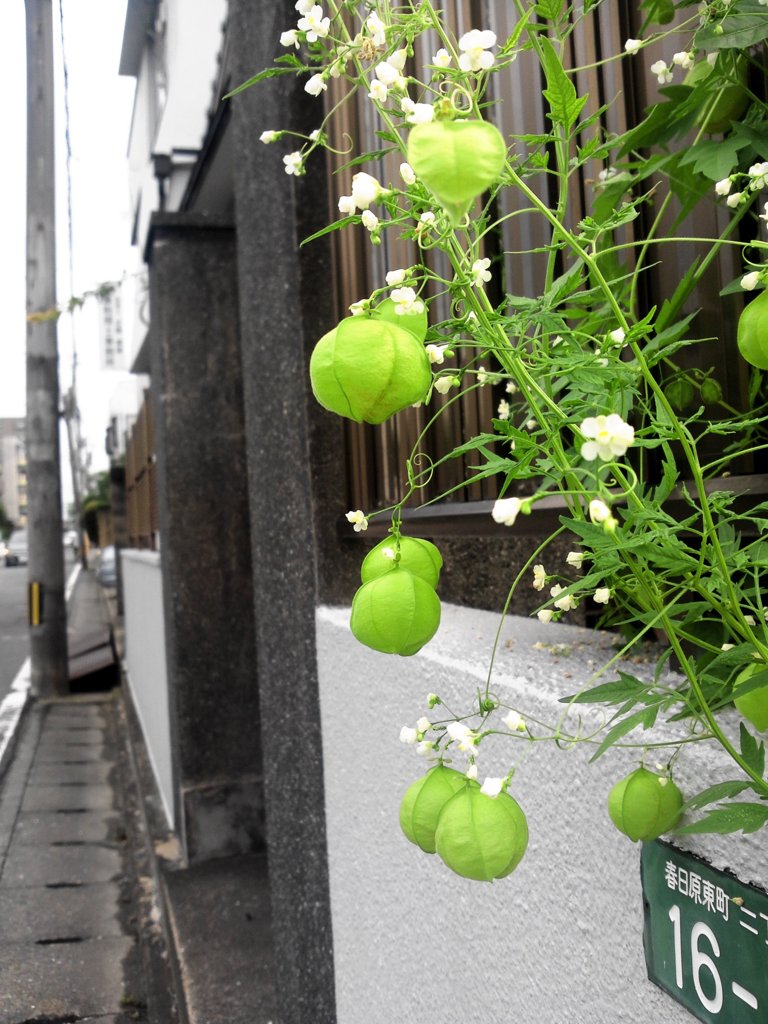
point(337, 224)
point(740, 29)
point(715, 159)
point(645, 717)
point(624, 688)
point(720, 791)
point(564, 105)
point(741, 817)
point(752, 751)
point(550, 10)
point(262, 75)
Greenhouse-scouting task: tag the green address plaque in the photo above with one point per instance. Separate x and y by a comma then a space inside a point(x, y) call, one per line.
point(705, 937)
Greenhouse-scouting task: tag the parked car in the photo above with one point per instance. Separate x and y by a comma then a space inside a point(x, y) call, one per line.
point(106, 573)
point(16, 552)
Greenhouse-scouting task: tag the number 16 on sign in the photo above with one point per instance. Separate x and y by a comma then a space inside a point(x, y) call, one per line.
point(706, 937)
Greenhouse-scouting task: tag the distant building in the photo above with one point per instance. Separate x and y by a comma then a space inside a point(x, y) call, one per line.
point(13, 470)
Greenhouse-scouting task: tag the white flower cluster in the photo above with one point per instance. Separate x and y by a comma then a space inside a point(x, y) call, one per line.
point(609, 437)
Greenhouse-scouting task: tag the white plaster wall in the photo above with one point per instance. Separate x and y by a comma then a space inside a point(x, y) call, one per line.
point(559, 940)
point(145, 662)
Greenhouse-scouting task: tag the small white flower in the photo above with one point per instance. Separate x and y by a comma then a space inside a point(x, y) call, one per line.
point(389, 75)
point(358, 518)
point(475, 45)
point(531, 424)
point(544, 614)
point(574, 558)
point(314, 136)
point(727, 647)
point(347, 205)
point(268, 137)
point(471, 772)
point(406, 173)
point(444, 384)
point(539, 577)
point(723, 187)
point(617, 336)
point(750, 620)
point(365, 189)
point(290, 38)
point(422, 113)
point(480, 272)
point(407, 105)
point(566, 603)
point(408, 735)
point(462, 734)
point(482, 373)
point(758, 174)
point(734, 199)
point(406, 302)
point(504, 410)
point(423, 724)
point(611, 437)
point(633, 45)
point(369, 219)
point(376, 29)
point(600, 513)
point(388, 553)
point(378, 92)
point(602, 595)
point(304, 6)
point(316, 85)
point(750, 281)
point(662, 72)
point(359, 307)
point(442, 58)
point(492, 787)
point(683, 59)
point(427, 220)
point(506, 510)
point(396, 277)
point(398, 59)
point(293, 163)
point(432, 699)
point(425, 748)
point(436, 354)
point(511, 387)
point(514, 722)
point(314, 24)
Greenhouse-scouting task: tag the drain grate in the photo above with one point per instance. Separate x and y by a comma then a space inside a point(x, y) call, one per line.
point(62, 885)
point(59, 942)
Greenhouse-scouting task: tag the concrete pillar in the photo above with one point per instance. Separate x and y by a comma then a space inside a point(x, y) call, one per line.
point(204, 536)
point(285, 304)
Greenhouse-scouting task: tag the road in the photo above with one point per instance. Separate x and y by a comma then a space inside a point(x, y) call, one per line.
point(14, 631)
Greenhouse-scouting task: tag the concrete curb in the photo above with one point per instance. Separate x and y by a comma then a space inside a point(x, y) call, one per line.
point(16, 703)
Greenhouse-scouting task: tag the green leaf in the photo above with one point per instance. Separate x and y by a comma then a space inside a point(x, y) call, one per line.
point(624, 688)
point(550, 10)
point(752, 751)
point(756, 137)
point(742, 817)
point(721, 791)
point(741, 29)
point(715, 159)
point(645, 717)
point(337, 224)
point(293, 65)
point(564, 105)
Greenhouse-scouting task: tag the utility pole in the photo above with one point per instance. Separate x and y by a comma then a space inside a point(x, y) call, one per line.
point(48, 635)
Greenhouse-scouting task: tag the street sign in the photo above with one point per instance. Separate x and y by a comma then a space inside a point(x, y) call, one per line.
point(705, 936)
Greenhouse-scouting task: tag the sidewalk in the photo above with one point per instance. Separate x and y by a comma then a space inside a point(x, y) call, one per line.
point(79, 932)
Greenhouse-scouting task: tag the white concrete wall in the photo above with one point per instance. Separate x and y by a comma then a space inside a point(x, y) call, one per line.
point(559, 940)
point(145, 662)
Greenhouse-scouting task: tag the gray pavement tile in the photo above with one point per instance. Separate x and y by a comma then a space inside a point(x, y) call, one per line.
point(84, 737)
point(88, 797)
point(30, 914)
point(47, 827)
point(63, 718)
point(82, 979)
point(57, 774)
point(56, 865)
point(72, 753)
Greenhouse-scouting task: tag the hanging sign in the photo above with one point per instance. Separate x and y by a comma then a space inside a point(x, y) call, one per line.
point(705, 937)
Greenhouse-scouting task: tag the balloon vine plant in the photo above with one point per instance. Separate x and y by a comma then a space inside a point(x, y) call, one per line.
point(599, 407)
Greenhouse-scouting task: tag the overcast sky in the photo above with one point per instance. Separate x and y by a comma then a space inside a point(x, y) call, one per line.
point(100, 109)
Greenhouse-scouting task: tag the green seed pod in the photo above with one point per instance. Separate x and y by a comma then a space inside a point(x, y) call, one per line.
point(732, 96)
point(423, 802)
point(711, 391)
point(644, 805)
point(416, 323)
point(753, 705)
point(418, 556)
point(752, 333)
point(367, 370)
point(457, 160)
point(679, 393)
point(396, 613)
point(481, 837)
